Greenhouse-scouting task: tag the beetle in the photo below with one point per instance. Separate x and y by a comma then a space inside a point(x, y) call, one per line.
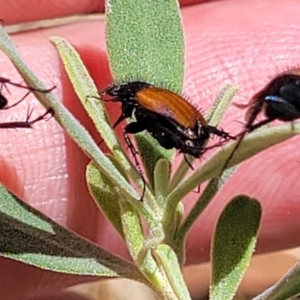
point(279, 100)
point(168, 117)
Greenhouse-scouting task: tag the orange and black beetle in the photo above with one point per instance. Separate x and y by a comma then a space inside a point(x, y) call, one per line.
point(168, 117)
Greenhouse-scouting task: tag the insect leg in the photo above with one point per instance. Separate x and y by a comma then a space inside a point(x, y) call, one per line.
point(133, 128)
point(18, 102)
point(5, 81)
point(249, 128)
point(27, 123)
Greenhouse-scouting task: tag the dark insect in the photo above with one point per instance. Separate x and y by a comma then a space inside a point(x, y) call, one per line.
point(169, 118)
point(280, 100)
point(3, 105)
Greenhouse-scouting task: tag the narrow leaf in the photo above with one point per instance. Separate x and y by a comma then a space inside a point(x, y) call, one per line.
point(161, 180)
point(210, 190)
point(169, 262)
point(233, 244)
point(133, 231)
point(139, 250)
point(287, 287)
point(105, 194)
point(87, 92)
point(32, 238)
point(221, 103)
point(151, 152)
point(253, 143)
point(85, 89)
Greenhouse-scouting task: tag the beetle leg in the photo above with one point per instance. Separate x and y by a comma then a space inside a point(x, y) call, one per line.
point(219, 132)
point(119, 120)
point(127, 111)
point(188, 163)
point(27, 123)
point(3, 84)
point(18, 102)
point(134, 128)
point(5, 81)
point(259, 124)
point(248, 129)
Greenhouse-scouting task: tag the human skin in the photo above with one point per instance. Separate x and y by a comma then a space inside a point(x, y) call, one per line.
point(245, 42)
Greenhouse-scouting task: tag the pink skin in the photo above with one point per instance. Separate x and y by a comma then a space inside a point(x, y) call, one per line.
point(245, 42)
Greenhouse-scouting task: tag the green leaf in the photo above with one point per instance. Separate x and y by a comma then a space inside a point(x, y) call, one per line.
point(252, 144)
point(161, 180)
point(151, 152)
point(89, 97)
point(32, 238)
point(234, 241)
point(86, 91)
point(167, 258)
point(105, 194)
point(78, 133)
point(210, 191)
point(140, 250)
point(145, 42)
point(255, 142)
point(287, 287)
point(202, 202)
point(221, 103)
point(133, 231)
